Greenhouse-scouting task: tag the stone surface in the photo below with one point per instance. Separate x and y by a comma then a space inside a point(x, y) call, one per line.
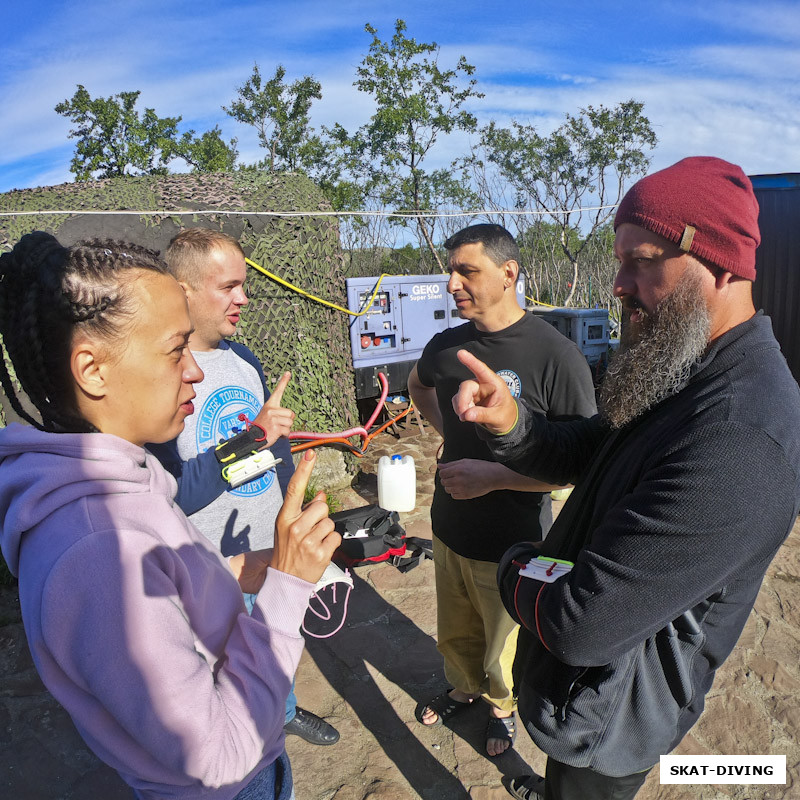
point(330, 470)
point(369, 679)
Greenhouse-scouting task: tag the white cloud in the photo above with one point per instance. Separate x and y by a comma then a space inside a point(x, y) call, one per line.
point(773, 20)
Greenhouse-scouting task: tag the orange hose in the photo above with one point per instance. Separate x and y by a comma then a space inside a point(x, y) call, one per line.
point(353, 448)
point(387, 424)
point(319, 442)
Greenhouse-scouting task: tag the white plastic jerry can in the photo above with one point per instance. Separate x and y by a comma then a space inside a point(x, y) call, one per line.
point(397, 483)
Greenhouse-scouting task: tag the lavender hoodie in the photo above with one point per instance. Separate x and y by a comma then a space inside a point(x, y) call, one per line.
point(135, 622)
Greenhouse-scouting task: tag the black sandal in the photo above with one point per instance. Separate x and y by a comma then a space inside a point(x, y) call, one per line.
point(526, 787)
point(503, 728)
point(444, 707)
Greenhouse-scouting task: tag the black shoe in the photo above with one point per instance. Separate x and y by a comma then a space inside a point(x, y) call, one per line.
point(312, 728)
point(526, 787)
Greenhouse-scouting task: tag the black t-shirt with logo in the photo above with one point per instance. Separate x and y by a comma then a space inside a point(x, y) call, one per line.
point(537, 363)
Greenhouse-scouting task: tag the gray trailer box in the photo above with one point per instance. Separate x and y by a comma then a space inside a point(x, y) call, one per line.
point(403, 317)
point(587, 327)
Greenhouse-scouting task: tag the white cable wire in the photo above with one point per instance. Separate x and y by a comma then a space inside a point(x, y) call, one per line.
point(405, 214)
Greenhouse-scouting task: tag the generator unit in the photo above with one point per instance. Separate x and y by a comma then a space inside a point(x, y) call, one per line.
point(402, 318)
point(587, 327)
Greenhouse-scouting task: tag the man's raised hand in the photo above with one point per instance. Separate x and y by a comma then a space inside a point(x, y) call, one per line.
point(485, 400)
point(273, 418)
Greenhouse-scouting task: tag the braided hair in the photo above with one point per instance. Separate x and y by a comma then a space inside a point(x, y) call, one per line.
point(50, 293)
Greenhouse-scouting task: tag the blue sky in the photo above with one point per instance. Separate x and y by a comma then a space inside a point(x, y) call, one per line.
point(717, 78)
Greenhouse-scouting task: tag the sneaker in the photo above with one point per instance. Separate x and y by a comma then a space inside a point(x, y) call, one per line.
point(527, 787)
point(312, 728)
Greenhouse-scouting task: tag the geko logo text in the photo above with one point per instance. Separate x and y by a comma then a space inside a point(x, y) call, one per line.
point(425, 290)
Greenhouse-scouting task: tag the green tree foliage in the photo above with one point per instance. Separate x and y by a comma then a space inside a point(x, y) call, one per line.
point(279, 113)
point(404, 260)
point(584, 164)
point(208, 153)
point(549, 274)
point(114, 139)
point(417, 102)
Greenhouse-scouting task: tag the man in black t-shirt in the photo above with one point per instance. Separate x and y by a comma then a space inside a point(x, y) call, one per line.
point(480, 507)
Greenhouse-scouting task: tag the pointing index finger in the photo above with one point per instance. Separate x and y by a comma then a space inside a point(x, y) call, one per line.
point(295, 491)
point(483, 373)
point(277, 393)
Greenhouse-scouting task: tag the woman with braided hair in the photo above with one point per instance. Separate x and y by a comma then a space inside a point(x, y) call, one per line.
point(135, 621)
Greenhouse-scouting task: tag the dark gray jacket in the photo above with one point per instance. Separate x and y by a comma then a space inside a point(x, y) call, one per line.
point(672, 525)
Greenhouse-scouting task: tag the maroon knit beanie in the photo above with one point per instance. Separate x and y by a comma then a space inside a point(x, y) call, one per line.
point(703, 204)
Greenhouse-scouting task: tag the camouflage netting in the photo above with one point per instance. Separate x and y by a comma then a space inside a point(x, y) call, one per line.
point(284, 329)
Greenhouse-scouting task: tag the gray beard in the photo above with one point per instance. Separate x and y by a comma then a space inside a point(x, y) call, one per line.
point(656, 355)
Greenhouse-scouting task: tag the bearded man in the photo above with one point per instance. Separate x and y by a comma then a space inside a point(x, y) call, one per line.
point(665, 540)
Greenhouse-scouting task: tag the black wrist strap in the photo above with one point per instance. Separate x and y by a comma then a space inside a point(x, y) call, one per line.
point(239, 446)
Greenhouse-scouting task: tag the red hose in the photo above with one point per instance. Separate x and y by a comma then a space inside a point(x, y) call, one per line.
point(320, 439)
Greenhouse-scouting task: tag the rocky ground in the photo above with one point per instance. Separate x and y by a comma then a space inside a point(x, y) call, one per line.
point(368, 679)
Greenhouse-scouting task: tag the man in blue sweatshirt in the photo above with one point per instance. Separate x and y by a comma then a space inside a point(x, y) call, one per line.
point(663, 544)
point(210, 266)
